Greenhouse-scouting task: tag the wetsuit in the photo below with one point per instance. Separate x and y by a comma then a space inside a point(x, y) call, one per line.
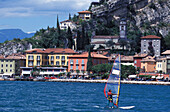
point(109, 96)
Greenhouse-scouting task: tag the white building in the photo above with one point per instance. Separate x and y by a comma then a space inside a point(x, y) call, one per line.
point(43, 71)
point(67, 23)
point(151, 39)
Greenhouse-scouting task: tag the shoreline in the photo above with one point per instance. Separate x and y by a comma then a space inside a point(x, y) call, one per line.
point(104, 81)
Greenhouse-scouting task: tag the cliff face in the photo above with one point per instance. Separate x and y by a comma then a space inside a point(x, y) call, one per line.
point(14, 47)
point(147, 15)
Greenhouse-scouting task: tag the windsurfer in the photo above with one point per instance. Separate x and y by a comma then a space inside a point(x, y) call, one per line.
point(109, 97)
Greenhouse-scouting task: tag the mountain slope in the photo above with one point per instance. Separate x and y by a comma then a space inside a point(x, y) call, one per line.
point(9, 34)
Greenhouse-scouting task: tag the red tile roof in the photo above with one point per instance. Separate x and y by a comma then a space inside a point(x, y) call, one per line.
point(150, 37)
point(105, 37)
point(126, 58)
point(52, 50)
point(140, 55)
point(85, 12)
point(13, 56)
point(66, 21)
point(166, 52)
point(148, 59)
point(85, 55)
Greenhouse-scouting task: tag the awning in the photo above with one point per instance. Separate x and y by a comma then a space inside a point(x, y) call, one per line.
point(132, 76)
point(159, 77)
point(6, 74)
point(153, 77)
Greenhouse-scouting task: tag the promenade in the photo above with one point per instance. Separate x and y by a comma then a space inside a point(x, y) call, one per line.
point(104, 81)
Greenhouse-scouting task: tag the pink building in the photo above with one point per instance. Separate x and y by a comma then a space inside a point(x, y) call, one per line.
point(79, 62)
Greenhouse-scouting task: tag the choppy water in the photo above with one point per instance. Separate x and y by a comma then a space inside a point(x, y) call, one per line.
point(79, 97)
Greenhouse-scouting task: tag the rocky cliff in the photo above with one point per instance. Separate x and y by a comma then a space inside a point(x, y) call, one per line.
point(11, 47)
point(151, 16)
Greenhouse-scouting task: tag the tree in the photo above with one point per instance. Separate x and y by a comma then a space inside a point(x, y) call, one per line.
point(77, 71)
point(70, 39)
point(83, 37)
point(110, 44)
point(167, 41)
point(69, 16)
point(89, 62)
point(127, 70)
point(151, 49)
point(123, 43)
point(58, 26)
point(78, 41)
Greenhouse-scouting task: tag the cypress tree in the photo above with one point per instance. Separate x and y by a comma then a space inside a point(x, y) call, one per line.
point(89, 62)
point(58, 26)
point(69, 37)
point(69, 16)
point(83, 38)
point(78, 40)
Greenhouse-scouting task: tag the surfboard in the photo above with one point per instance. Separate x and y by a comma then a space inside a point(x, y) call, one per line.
point(127, 107)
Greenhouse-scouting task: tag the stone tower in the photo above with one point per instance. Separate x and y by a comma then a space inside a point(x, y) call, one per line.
point(122, 28)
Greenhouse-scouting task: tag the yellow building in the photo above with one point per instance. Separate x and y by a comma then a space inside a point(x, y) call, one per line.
point(148, 64)
point(45, 57)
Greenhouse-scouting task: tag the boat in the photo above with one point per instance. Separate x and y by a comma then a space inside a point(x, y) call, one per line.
point(113, 81)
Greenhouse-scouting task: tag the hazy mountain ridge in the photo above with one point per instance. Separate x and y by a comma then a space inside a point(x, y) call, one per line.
point(10, 34)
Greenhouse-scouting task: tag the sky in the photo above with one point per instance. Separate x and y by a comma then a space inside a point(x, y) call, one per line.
point(32, 15)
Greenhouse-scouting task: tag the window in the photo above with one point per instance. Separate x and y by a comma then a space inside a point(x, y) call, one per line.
point(6, 60)
point(6, 65)
point(77, 61)
point(71, 67)
point(77, 68)
point(2, 60)
point(6, 70)
point(38, 57)
point(135, 62)
point(2, 71)
point(10, 65)
point(10, 60)
point(63, 58)
point(52, 63)
point(82, 67)
point(83, 61)
point(10, 70)
point(57, 63)
point(2, 65)
point(71, 61)
point(63, 63)
point(38, 63)
point(57, 57)
point(52, 57)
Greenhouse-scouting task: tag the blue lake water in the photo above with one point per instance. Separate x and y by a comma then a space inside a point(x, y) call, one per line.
point(79, 97)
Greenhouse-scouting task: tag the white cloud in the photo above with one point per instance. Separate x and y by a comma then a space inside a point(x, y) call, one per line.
point(41, 7)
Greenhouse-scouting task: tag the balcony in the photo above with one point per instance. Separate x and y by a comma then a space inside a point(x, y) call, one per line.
point(63, 59)
point(38, 59)
point(31, 59)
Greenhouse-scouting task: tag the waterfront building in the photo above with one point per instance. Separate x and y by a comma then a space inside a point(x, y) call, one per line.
point(10, 65)
point(148, 64)
point(161, 64)
point(67, 23)
point(137, 59)
point(85, 15)
point(46, 57)
point(42, 71)
point(127, 60)
point(155, 42)
point(100, 40)
point(79, 62)
point(167, 55)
